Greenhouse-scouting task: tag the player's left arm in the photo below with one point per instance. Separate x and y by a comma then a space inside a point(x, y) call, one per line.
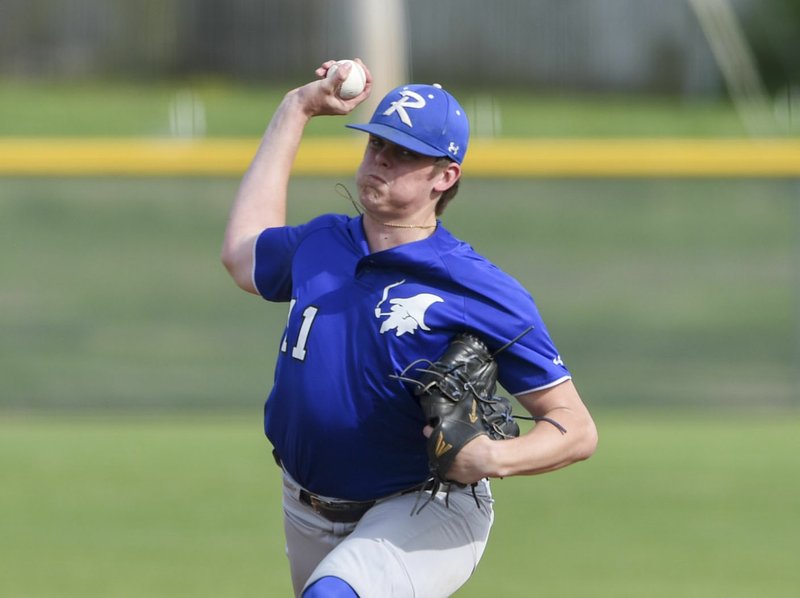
point(544, 448)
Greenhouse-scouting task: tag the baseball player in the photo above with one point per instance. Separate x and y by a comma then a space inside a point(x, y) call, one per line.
point(367, 296)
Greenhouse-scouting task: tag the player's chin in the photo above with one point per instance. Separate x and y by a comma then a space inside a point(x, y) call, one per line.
point(370, 195)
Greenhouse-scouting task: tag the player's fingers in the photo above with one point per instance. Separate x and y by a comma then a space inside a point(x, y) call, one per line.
point(427, 431)
point(322, 70)
point(321, 96)
point(367, 81)
point(366, 70)
point(342, 71)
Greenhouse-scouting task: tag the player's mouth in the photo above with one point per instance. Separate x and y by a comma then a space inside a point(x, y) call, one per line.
point(376, 178)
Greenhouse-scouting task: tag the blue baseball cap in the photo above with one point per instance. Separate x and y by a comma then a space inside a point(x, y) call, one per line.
point(423, 118)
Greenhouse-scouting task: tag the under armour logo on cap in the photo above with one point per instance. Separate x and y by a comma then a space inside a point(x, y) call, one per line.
point(422, 118)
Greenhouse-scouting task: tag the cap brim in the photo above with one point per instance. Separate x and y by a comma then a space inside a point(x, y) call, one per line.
point(400, 138)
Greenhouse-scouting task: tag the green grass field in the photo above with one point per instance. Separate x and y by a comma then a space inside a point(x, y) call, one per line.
point(132, 375)
point(686, 505)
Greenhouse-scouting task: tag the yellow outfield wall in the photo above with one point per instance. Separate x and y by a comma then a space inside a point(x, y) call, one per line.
point(340, 156)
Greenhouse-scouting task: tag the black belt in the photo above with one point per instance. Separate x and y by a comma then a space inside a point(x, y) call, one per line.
point(348, 511)
point(336, 512)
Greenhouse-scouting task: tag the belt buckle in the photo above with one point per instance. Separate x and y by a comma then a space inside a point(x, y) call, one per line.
point(316, 504)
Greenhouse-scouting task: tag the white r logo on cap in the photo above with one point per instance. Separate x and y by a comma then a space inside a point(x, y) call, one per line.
point(409, 99)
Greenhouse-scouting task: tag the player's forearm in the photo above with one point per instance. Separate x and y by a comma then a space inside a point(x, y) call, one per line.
point(545, 447)
point(261, 199)
point(569, 437)
point(260, 202)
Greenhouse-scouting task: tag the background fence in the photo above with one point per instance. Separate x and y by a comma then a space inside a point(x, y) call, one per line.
point(614, 45)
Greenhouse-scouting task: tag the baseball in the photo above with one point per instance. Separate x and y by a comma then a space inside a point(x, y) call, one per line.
point(355, 82)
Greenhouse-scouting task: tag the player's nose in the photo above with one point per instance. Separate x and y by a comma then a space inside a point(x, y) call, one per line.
point(383, 155)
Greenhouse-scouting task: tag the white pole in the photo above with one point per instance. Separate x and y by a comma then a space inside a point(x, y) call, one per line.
point(382, 43)
point(735, 59)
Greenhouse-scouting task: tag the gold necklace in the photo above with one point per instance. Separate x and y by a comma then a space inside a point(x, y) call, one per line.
point(393, 225)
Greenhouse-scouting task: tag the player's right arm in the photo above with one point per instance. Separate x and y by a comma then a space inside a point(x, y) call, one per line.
point(260, 202)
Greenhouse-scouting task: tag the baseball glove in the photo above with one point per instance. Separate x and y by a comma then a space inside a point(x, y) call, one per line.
point(457, 396)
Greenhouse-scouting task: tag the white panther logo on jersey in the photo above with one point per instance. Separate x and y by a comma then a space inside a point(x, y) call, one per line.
point(406, 314)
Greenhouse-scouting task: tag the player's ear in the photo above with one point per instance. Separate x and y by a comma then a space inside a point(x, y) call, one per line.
point(447, 176)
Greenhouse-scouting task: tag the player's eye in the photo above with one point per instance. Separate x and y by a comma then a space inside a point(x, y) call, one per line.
point(407, 154)
point(376, 144)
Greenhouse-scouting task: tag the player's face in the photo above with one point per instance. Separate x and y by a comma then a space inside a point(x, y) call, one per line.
point(396, 182)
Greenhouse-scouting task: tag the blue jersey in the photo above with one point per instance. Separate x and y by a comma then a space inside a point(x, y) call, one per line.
point(341, 424)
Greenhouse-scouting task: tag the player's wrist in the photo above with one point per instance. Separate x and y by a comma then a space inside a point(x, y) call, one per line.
point(485, 457)
point(497, 458)
point(298, 102)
